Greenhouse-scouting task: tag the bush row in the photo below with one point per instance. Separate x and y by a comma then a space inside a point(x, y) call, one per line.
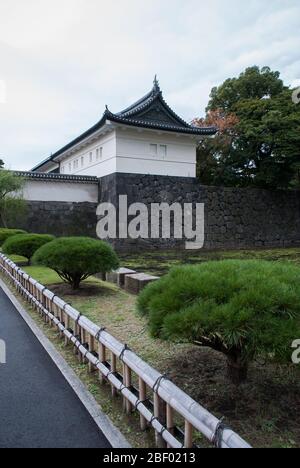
point(73, 258)
point(6, 233)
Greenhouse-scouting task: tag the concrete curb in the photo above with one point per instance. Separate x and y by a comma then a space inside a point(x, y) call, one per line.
point(113, 435)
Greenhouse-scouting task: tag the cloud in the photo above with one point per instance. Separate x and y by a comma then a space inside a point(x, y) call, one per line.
point(62, 61)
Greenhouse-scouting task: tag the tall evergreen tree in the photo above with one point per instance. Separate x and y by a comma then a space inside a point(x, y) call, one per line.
point(264, 129)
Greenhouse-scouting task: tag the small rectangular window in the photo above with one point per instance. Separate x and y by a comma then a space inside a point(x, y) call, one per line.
point(91, 157)
point(82, 161)
point(97, 154)
point(153, 150)
point(101, 152)
point(163, 150)
point(70, 167)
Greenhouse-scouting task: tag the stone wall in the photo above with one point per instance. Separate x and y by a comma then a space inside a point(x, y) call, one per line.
point(60, 218)
point(234, 218)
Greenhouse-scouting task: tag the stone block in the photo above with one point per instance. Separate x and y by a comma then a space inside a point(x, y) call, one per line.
point(118, 276)
point(137, 282)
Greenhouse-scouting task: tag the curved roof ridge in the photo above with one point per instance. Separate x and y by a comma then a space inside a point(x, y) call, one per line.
point(136, 104)
point(174, 113)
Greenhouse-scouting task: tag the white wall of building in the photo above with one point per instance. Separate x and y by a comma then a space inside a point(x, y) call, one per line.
point(149, 152)
point(96, 159)
point(136, 151)
point(40, 190)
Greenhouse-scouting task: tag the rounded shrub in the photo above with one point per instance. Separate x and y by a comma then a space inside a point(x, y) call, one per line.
point(243, 309)
point(76, 258)
point(5, 233)
point(25, 244)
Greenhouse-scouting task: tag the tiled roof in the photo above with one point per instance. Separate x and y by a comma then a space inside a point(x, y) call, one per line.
point(57, 177)
point(151, 111)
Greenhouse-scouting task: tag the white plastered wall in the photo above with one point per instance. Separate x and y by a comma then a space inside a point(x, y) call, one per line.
point(99, 166)
point(40, 190)
point(176, 155)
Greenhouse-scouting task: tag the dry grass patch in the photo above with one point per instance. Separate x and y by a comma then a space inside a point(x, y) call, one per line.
point(108, 306)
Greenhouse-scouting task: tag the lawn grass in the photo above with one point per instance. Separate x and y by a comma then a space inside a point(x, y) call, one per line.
point(18, 259)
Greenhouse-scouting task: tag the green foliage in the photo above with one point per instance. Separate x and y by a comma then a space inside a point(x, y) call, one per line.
point(14, 212)
point(6, 233)
point(264, 150)
point(11, 202)
point(76, 258)
point(253, 83)
point(25, 244)
point(244, 309)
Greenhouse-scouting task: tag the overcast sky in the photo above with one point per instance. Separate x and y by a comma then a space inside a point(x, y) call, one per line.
point(63, 60)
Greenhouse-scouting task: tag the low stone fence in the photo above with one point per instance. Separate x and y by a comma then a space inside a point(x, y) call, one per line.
point(160, 404)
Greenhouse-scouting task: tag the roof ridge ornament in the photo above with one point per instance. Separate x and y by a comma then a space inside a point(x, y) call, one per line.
point(156, 87)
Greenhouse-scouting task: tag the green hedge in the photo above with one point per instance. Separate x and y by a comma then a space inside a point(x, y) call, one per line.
point(25, 244)
point(6, 233)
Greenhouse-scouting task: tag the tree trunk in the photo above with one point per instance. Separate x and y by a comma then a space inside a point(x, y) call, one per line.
point(76, 284)
point(237, 370)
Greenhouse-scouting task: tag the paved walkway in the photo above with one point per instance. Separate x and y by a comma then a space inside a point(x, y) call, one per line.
point(38, 408)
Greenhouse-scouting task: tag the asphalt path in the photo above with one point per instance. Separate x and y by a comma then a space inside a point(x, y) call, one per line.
point(38, 408)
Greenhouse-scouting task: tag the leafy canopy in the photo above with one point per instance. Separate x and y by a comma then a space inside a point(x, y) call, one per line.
point(260, 143)
point(25, 244)
point(244, 309)
point(11, 202)
point(76, 258)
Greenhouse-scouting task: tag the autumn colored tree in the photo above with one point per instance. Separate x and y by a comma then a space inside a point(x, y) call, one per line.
point(213, 154)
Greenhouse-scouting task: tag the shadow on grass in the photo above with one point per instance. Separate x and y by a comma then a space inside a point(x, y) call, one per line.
point(87, 289)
